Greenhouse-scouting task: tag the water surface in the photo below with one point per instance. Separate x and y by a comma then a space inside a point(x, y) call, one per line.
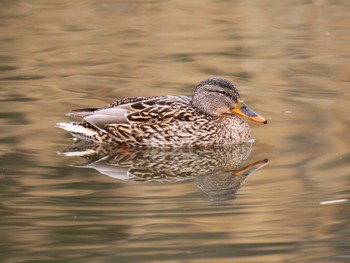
point(290, 62)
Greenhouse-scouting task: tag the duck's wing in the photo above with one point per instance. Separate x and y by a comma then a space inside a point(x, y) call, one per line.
point(137, 110)
point(159, 110)
point(81, 113)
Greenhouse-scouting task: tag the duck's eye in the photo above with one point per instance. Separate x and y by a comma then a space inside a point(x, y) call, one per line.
point(244, 107)
point(222, 92)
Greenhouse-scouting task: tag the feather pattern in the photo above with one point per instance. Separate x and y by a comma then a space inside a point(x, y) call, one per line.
point(164, 121)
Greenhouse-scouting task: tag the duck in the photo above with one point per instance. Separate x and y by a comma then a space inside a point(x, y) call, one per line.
point(213, 116)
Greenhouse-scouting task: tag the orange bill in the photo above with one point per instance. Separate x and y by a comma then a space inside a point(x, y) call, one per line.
point(243, 110)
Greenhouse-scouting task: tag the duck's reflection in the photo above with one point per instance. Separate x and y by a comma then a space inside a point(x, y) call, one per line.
point(216, 171)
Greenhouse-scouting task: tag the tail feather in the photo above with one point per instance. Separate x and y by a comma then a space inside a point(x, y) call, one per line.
point(75, 127)
point(79, 131)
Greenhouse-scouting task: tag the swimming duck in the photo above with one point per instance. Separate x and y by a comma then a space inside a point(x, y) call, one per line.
point(211, 117)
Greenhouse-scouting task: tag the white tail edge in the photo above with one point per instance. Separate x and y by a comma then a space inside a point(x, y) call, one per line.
point(75, 127)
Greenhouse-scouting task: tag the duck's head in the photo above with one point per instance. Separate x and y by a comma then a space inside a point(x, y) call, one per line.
point(217, 96)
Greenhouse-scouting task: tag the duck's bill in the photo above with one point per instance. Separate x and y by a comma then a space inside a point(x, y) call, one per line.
point(243, 110)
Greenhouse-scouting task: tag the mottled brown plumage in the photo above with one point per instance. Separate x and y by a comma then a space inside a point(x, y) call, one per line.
point(209, 118)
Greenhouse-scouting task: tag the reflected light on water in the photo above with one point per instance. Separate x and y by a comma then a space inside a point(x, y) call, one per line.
point(290, 62)
point(215, 170)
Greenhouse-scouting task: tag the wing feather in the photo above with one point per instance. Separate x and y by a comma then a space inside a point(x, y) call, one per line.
point(138, 118)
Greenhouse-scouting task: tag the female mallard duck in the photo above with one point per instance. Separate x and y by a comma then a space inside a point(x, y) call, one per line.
point(210, 118)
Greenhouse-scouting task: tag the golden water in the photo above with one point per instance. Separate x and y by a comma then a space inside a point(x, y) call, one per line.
point(290, 62)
